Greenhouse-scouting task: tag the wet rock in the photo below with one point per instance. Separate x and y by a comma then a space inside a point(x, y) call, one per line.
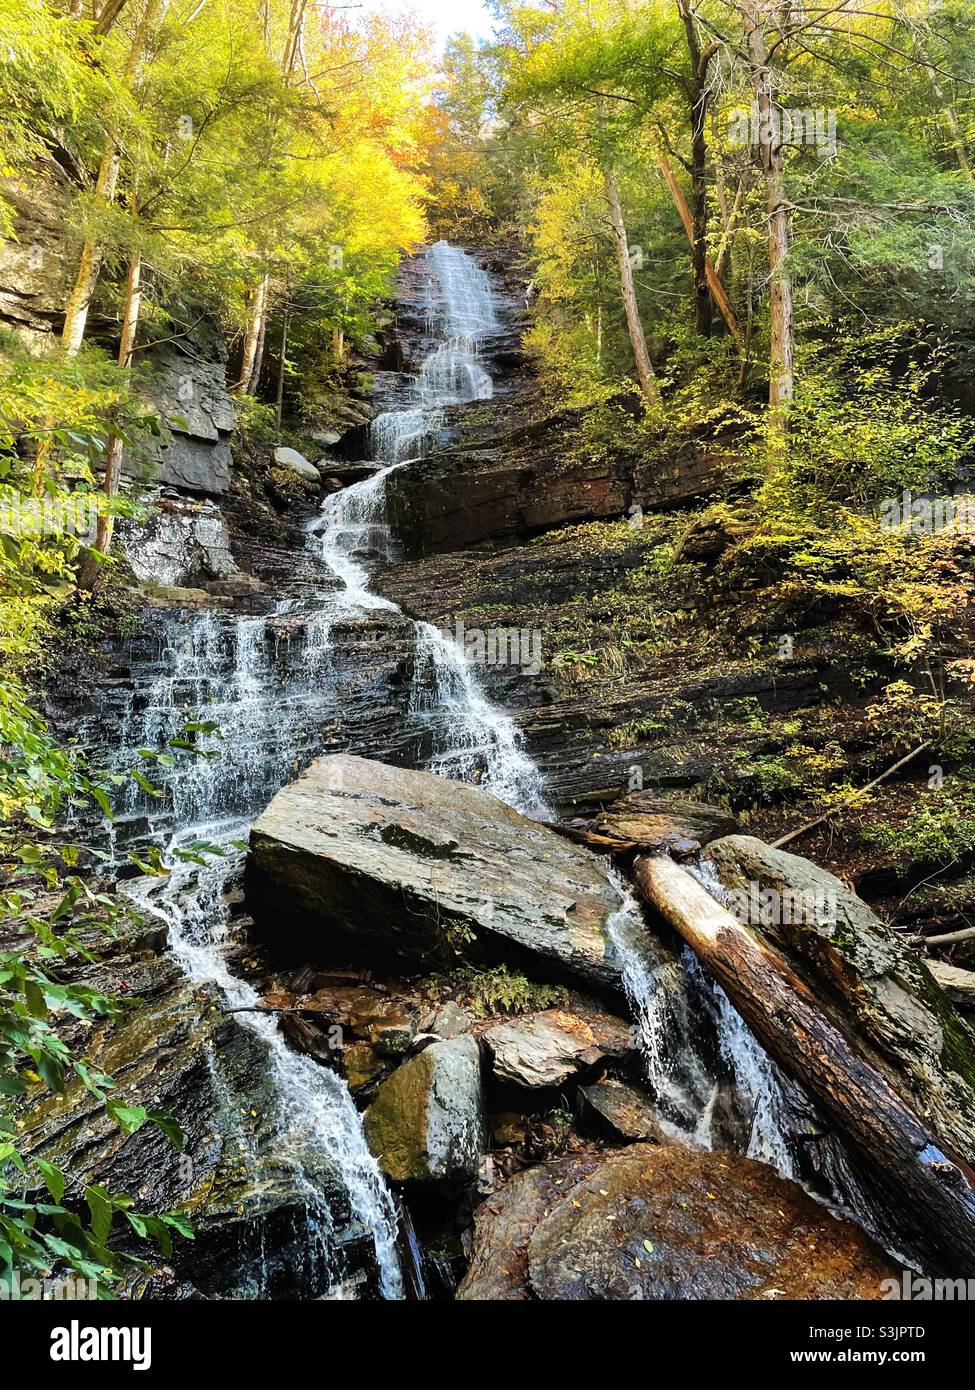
point(654, 824)
point(182, 1055)
point(621, 1111)
point(361, 1065)
point(878, 987)
point(427, 1121)
point(449, 1021)
point(236, 586)
point(545, 1049)
point(294, 462)
point(377, 854)
point(661, 1222)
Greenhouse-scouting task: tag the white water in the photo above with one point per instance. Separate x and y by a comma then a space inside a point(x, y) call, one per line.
point(318, 1131)
point(280, 688)
point(472, 740)
point(265, 682)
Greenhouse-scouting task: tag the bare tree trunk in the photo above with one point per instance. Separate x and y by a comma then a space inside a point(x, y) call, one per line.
point(79, 301)
point(115, 448)
point(644, 367)
point(282, 363)
point(253, 337)
point(781, 347)
point(89, 267)
point(338, 345)
point(929, 1193)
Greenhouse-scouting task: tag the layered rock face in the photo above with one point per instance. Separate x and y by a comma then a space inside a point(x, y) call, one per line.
point(187, 386)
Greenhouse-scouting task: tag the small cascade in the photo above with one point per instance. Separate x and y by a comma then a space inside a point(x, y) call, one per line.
point(472, 740)
point(659, 999)
point(469, 739)
point(318, 1133)
point(228, 671)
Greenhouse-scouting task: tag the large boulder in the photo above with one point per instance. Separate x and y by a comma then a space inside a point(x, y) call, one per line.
point(420, 864)
point(662, 1222)
point(427, 1122)
point(546, 1049)
point(864, 974)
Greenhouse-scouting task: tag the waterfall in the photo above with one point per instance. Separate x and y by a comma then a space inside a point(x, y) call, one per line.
point(266, 683)
point(318, 1132)
point(470, 739)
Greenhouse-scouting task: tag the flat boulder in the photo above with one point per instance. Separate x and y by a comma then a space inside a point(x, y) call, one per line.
point(547, 1048)
point(653, 825)
point(427, 1122)
point(383, 856)
point(660, 1222)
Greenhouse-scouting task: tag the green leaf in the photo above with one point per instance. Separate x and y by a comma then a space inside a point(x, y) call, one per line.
point(102, 1212)
point(129, 1118)
point(169, 1127)
point(53, 1178)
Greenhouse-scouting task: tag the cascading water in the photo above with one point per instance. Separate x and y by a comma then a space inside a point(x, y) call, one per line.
point(470, 739)
point(267, 684)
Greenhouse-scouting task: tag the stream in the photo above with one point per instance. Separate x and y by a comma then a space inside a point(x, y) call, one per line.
point(269, 683)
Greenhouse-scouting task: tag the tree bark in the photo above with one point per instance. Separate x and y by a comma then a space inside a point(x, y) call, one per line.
point(250, 366)
point(116, 446)
point(89, 267)
point(698, 98)
point(715, 288)
point(929, 1193)
point(781, 350)
point(282, 363)
point(638, 342)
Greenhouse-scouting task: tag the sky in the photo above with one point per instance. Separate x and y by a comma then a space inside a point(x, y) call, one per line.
point(445, 16)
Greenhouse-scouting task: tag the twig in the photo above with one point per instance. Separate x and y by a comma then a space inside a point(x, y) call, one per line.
point(827, 815)
point(948, 937)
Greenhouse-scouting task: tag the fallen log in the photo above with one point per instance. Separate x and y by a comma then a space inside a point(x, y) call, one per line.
point(927, 1193)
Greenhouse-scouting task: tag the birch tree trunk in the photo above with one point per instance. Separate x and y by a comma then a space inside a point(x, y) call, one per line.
point(250, 363)
point(781, 348)
point(116, 446)
point(638, 342)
